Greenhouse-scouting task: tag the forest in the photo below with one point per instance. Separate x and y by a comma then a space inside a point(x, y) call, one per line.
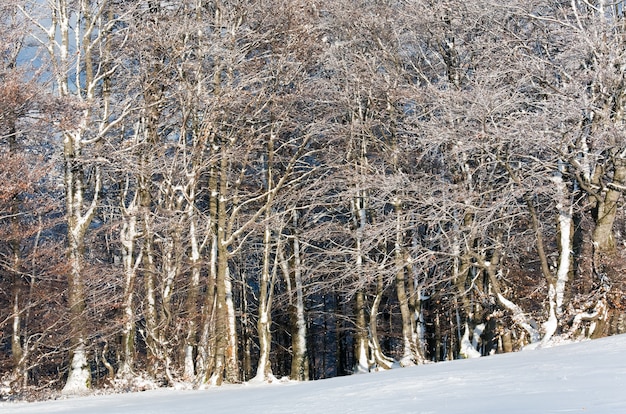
point(205, 192)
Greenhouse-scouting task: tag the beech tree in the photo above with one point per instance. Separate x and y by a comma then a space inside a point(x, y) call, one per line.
point(28, 258)
point(76, 38)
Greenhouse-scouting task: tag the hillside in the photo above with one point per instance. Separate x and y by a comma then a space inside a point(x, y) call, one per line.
point(585, 377)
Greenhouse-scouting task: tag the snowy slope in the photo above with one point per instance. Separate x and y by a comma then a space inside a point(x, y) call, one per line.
point(588, 377)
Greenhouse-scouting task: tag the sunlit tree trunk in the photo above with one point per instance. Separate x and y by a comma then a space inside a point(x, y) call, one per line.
point(149, 270)
point(78, 221)
point(557, 285)
point(131, 260)
point(411, 351)
point(607, 206)
point(171, 261)
point(361, 335)
point(206, 345)
point(268, 277)
point(226, 365)
point(18, 352)
point(295, 289)
point(378, 358)
point(264, 321)
point(194, 288)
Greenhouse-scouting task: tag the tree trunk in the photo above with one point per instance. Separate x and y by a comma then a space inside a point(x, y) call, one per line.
point(18, 353)
point(411, 354)
point(379, 359)
point(226, 365)
point(361, 341)
point(206, 346)
point(130, 262)
point(79, 377)
point(558, 285)
point(266, 284)
point(149, 275)
point(361, 335)
point(606, 209)
point(191, 340)
point(264, 323)
point(299, 359)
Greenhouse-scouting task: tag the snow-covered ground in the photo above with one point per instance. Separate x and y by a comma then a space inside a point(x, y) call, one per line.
point(588, 377)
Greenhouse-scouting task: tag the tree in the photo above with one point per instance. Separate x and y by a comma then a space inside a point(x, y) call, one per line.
point(76, 38)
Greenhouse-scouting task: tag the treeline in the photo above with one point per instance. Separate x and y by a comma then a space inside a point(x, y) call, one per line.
point(221, 191)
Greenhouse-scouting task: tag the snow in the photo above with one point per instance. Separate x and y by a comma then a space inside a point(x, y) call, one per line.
point(79, 376)
point(468, 350)
point(587, 377)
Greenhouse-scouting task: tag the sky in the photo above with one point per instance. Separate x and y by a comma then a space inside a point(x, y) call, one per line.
point(585, 377)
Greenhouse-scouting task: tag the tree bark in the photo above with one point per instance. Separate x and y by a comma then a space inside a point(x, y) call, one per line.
point(264, 322)
point(206, 346)
point(293, 278)
point(411, 353)
point(606, 209)
point(226, 365)
point(378, 360)
point(131, 259)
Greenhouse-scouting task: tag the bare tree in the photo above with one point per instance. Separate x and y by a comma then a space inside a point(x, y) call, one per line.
point(76, 38)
